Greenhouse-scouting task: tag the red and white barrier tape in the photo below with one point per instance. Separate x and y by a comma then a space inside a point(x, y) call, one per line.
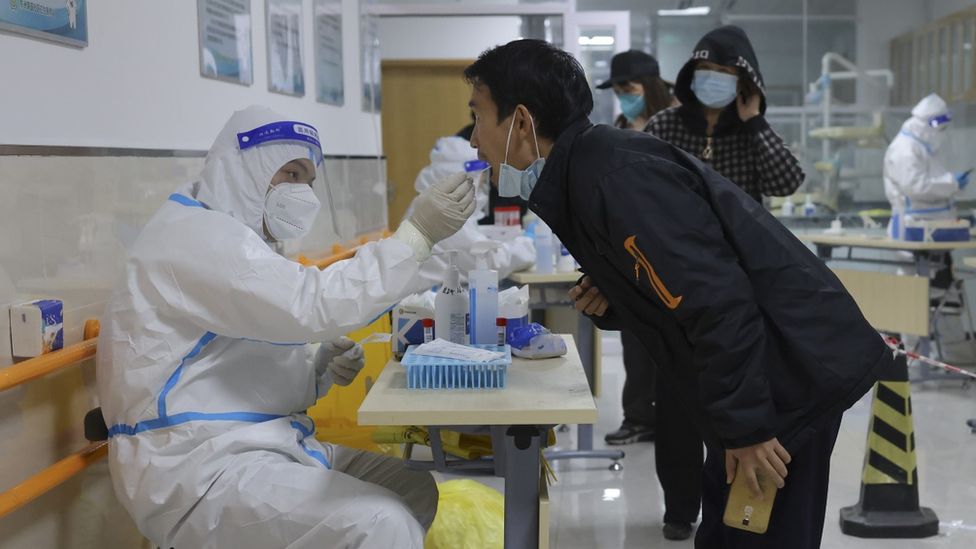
point(894, 342)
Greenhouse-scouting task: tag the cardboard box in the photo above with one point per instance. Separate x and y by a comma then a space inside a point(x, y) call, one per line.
point(36, 328)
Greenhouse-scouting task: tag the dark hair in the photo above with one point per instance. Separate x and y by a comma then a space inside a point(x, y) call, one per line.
point(465, 132)
point(547, 80)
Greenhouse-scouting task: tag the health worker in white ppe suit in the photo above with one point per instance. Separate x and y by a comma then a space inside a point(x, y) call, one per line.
point(204, 371)
point(448, 158)
point(916, 182)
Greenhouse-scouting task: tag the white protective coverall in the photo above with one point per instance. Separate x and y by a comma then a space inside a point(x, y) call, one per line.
point(916, 182)
point(204, 374)
point(448, 157)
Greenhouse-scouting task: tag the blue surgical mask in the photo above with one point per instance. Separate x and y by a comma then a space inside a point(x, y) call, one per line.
point(513, 182)
point(715, 89)
point(632, 105)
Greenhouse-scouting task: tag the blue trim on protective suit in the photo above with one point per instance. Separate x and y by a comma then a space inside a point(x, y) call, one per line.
point(180, 199)
point(185, 417)
point(175, 377)
point(910, 210)
point(917, 139)
point(314, 454)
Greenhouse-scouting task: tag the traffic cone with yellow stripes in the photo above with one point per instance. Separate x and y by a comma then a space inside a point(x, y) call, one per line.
point(889, 506)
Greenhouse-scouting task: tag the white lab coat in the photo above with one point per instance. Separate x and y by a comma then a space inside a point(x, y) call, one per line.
point(204, 374)
point(917, 183)
point(448, 157)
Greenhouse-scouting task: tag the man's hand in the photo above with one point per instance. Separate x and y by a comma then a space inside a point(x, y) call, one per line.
point(748, 104)
point(588, 298)
point(768, 459)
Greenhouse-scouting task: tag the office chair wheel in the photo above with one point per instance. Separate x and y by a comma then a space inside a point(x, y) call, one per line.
point(616, 466)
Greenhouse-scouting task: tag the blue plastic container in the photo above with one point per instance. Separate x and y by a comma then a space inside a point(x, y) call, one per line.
point(428, 372)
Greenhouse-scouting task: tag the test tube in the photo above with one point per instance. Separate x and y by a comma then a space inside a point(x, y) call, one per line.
point(502, 331)
point(428, 324)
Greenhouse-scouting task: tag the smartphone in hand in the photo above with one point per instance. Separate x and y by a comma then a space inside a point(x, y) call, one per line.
point(743, 510)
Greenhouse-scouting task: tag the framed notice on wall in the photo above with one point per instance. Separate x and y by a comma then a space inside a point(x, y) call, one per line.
point(225, 40)
point(329, 85)
point(369, 61)
point(64, 21)
point(286, 72)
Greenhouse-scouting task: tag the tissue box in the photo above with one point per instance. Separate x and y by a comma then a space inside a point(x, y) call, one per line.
point(407, 327)
point(513, 306)
point(36, 328)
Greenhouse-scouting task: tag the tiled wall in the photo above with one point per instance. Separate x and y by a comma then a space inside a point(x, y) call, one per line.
point(65, 225)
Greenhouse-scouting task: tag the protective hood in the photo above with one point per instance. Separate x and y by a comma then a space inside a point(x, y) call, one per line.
point(446, 158)
point(930, 107)
point(235, 181)
point(919, 127)
point(728, 46)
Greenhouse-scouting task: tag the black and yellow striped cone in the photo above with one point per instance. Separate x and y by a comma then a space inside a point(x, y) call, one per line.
point(889, 486)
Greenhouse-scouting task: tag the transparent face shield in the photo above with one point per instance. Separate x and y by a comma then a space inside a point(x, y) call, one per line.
point(940, 122)
point(326, 229)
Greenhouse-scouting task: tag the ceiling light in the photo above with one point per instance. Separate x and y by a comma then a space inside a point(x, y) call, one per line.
point(698, 10)
point(596, 41)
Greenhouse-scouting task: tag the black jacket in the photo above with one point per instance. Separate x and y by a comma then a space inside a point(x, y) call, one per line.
point(749, 153)
point(756, 334)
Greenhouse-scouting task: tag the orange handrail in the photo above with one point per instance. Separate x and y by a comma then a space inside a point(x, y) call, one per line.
point(340, 253)
point(51, 477)
point(36, 367)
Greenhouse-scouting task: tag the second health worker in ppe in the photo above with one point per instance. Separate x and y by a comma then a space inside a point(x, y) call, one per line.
point(203, 369)
point(916, 181)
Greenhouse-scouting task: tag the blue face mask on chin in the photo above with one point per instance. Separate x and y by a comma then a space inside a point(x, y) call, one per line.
point(513, 182)
point(715, 89)
point(631, 105)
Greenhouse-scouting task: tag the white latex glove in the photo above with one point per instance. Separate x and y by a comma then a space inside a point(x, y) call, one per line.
point(442, 209)
point(342, 359)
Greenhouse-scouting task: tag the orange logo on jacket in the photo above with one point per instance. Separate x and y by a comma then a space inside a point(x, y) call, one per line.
point(671, 302)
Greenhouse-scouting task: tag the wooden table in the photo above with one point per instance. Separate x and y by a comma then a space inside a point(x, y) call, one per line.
point(538, 395)
point(922, 253)
point(882, 242)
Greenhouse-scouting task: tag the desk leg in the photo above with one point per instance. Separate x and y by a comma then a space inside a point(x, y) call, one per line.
point(923, 269)
point(522, 469)
point(498, 446)
point(825, 252)
point(586, 345)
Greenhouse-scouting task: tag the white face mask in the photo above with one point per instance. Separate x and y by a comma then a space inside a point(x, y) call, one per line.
point(290, 210)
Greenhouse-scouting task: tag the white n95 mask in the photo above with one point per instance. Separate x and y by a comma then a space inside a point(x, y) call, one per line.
point(513, 182)
point(290, 210)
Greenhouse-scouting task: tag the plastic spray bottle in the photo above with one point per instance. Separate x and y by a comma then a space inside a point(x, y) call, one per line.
point(809, 209)
point(451, 306)
point(483, 296)
point(788, 207)
point(543, 249)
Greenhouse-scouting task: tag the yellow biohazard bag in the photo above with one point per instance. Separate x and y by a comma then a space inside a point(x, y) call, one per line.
point(470, 515)
point(335, 414)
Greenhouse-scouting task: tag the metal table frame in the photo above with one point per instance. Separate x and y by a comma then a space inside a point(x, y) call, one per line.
point(923, 257)
point(556, 294)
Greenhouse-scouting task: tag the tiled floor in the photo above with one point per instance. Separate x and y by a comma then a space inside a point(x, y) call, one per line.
point(593, 507)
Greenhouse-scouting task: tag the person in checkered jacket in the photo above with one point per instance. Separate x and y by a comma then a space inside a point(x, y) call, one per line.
point(720, 120)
